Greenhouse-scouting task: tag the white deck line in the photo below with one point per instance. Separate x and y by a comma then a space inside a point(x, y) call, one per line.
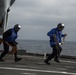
point(35, 70)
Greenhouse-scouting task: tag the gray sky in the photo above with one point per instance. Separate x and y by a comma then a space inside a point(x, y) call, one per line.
point(37, 17)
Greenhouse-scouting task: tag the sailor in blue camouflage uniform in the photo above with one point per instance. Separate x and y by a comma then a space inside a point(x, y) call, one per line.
point(56, 35)
point(9, 39)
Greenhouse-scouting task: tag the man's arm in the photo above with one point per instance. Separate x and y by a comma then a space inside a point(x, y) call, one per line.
point(6, 34)
point(64, 37)
point(55, 39)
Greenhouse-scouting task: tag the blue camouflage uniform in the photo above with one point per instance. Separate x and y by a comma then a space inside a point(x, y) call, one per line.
point(58, 34)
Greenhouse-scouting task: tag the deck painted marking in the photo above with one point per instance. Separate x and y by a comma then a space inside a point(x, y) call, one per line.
point(28, 73)
point(68, 61)
point(74, 62)
point(35, 70)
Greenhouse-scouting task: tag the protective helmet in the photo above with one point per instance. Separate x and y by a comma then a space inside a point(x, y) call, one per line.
point(61, 24)
point(17, 26)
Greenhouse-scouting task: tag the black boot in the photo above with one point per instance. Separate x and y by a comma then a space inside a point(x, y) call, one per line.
point(1, 60)
point(16, 58)
point(47, 62)
point(56, 60)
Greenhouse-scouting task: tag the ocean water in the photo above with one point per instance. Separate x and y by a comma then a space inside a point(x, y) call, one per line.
point(43, 46)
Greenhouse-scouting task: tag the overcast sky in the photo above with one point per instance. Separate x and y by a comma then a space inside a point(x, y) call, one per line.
point(37, 17)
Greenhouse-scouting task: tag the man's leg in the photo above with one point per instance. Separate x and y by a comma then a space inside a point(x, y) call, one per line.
point(14, 51)
point(51, 56)
point(6, 49)
point(58, 54)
